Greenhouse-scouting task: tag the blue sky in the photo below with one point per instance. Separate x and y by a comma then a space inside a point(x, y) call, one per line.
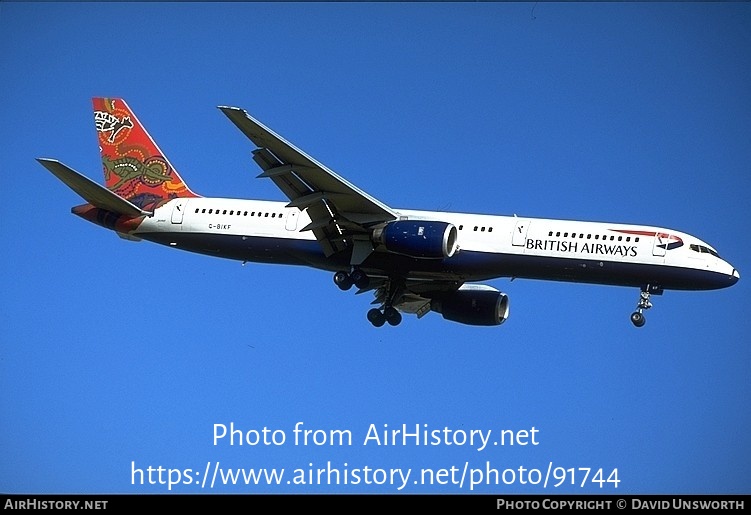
point(117, 355)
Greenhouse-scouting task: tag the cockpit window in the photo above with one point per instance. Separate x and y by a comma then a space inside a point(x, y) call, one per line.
point(703, 250)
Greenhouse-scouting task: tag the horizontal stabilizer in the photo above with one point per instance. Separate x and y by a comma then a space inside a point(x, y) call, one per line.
point(94, 193)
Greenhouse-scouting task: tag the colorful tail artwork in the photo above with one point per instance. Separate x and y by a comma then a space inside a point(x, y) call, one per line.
point(134, 167)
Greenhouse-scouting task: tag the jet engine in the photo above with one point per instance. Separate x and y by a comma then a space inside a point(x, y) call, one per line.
point(473, 305)
point(418, 238)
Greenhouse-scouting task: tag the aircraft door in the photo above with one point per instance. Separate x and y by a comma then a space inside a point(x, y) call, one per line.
point(519, 238)
point(291, 224)
point(661, 244)
point(178, 210)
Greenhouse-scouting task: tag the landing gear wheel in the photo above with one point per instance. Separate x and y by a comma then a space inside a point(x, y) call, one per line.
point(359, 278)
point(343, 280)
point(376, 318)
point(393, 317)
point(638, 319)
point(388, 295)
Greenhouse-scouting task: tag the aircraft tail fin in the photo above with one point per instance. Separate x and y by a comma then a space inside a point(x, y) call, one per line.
point(134, 166)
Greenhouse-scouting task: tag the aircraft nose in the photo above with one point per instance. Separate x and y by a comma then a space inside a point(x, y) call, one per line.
point(736, 276)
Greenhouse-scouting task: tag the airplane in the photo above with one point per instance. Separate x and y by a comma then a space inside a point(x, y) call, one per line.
point(413, 261)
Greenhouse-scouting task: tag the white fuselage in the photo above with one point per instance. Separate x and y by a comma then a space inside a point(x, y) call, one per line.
point(489, 246)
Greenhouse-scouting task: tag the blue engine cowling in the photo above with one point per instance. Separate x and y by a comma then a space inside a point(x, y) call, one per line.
point(418, 238)
point(481, 306)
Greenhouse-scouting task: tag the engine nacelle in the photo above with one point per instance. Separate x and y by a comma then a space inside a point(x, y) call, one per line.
point(418, 238)
point(473, 305)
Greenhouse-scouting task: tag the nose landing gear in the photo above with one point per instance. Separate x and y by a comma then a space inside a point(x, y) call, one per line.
point(637, 317)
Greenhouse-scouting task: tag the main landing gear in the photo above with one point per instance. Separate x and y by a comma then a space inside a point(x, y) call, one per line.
point(389, 314)
point(637, 317)
point(345, 281)
point(376, 316)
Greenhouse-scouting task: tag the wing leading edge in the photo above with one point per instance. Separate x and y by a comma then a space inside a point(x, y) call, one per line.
point(341, 214)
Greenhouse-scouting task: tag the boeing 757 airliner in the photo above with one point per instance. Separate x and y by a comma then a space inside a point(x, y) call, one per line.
point(414, 261)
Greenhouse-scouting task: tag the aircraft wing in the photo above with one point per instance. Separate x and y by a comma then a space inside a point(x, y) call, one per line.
point(339, 211)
